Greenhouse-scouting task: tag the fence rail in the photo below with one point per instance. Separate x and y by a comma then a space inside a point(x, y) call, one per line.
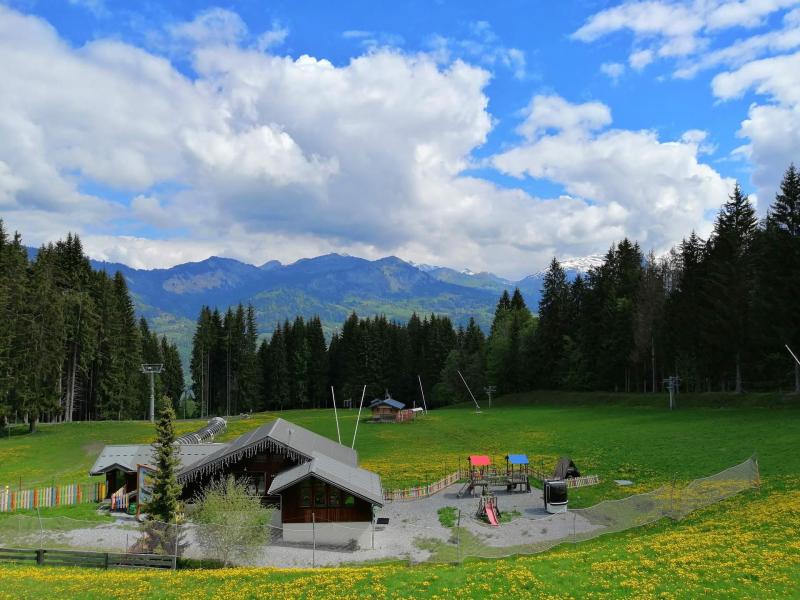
point(423, 491)
point(73, 558)
point(56, 495)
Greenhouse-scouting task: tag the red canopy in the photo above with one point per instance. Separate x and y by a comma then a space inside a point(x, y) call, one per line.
point(479, 460)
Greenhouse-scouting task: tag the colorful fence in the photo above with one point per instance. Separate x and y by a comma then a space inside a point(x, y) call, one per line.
point(58, 495)
point(119, 499)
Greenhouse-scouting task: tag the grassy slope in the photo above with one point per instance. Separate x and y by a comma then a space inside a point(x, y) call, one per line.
point(744, 547)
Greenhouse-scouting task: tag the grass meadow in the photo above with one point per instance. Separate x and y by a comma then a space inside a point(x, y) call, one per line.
point(746, 546)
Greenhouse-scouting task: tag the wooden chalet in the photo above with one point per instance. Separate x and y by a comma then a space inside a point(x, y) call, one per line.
point(324, 480)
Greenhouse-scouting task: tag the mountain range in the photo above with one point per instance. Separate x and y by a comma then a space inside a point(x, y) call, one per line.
point(331, 286)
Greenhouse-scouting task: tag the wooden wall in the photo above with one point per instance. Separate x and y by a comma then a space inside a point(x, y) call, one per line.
point(295, 497)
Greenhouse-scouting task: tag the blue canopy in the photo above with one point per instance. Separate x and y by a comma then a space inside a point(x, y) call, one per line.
point(517, 459)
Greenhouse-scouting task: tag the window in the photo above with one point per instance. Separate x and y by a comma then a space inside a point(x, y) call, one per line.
point(334, 497)
point(349, 501)
point(305, 494)
point(320, 500)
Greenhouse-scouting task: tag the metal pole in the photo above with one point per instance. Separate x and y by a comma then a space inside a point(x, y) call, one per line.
point(422, 391)
point(336, 416)
point(477, 406)
point(358, 418)
point(792, 353)
point(313, 540)
point(152, 398)
point(458, 537)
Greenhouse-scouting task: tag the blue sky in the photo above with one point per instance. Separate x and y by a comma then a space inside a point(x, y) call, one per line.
point(455, 133)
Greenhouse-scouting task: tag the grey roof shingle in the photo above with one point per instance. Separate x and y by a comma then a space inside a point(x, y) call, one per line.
point(281, 436)
point(128, 456)
point(359, 482)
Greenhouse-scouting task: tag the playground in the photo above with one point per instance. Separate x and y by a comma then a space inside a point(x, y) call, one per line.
point(659, 449)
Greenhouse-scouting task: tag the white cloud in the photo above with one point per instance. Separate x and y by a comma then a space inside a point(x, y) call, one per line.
point(482, 46)
point(682, 30)
point(260, 156)
point(640, 59)
point(613, 70)
point(623, 181)
point(553, 112)
point(275, 36)
point(213, 26)
point(772, 130)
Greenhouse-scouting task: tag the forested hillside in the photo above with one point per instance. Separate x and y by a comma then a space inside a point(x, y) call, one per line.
point(718, 313)
point(70, 345)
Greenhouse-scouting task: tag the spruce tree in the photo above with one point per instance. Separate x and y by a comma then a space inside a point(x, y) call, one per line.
point(163, 506)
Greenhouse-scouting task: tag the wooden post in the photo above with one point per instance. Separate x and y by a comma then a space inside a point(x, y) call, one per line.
point(40, 557)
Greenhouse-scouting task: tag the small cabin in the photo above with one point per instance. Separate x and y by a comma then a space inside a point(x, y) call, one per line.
point(389, 410)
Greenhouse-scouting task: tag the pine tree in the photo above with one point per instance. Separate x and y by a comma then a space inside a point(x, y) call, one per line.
point(163, 506)
point(785, 211)
point(317, 363)
point(548, 342)
point(732, 276)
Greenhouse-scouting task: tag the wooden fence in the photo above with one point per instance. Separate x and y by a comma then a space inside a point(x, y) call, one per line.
point(423, 491)
point(72, 558)
point(572, 482)
point(56, 495)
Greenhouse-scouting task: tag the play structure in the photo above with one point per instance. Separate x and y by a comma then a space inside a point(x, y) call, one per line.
point(517, 473)
point(555, 495)
point(487, 509)
point(565, 469)
point(483, 475)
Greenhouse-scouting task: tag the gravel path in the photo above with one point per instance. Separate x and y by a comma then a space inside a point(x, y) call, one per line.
point(409, 522)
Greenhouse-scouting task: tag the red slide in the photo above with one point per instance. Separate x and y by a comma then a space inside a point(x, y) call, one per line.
point(491, 514)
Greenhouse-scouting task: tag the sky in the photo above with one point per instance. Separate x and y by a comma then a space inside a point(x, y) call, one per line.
point(489, 136)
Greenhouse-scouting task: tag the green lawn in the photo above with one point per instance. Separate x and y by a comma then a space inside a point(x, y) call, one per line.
point(746, 546)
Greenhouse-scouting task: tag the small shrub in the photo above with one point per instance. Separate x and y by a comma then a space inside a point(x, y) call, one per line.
point(232, 524)
point(447, 516)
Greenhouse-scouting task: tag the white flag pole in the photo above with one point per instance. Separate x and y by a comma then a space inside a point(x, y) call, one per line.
point(424, 405)
point(358, 418)
point(336, 415)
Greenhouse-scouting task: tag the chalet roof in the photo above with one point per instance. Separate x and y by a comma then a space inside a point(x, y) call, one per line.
point(387, 402)
point(298, 443)
point(355, 480)
point(127, 457)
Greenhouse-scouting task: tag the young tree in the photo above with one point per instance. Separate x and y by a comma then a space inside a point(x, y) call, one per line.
point(232, 524)
point(163, 506)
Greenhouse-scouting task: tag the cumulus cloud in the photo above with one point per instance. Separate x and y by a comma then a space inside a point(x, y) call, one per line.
point(258, 156)
point(685, 30)
point(772, 129)
point(623, 181)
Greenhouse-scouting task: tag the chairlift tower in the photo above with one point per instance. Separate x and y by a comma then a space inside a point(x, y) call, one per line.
point(672, 383)
point(152, 369)
point(490, 389)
